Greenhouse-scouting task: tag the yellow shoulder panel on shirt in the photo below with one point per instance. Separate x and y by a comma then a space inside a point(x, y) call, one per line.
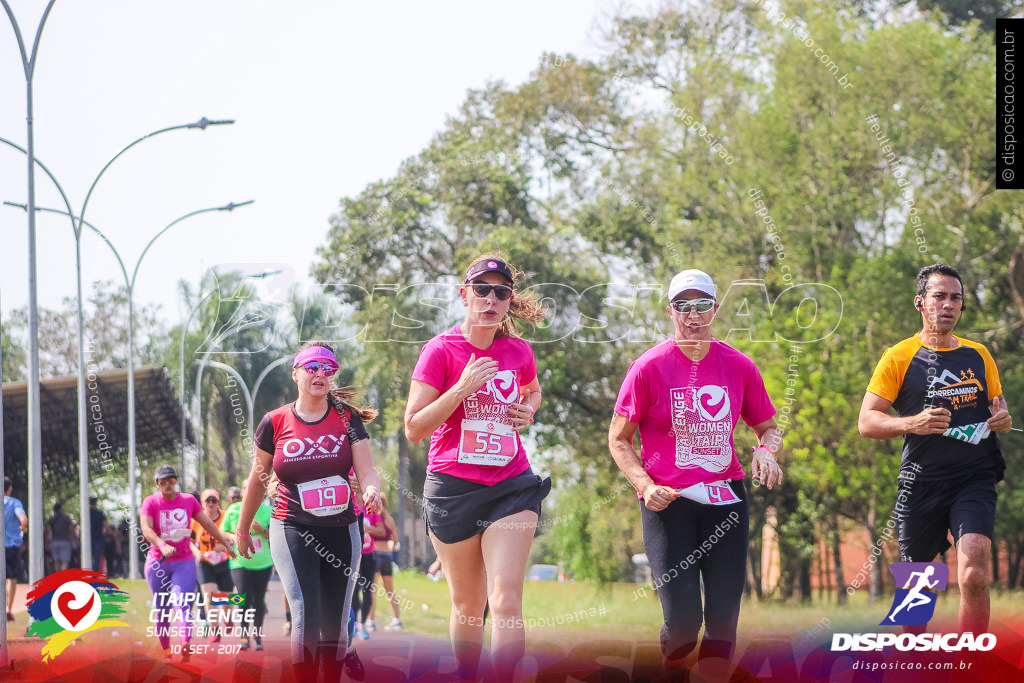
point(888, 376)
point(993, 385)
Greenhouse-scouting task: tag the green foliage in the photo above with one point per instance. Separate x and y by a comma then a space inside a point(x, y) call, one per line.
point(812, 185)
point(105, 316)
point(13, 353)
point(710, 136)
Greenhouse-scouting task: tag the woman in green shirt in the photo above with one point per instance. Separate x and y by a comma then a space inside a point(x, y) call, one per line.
point(252, 575)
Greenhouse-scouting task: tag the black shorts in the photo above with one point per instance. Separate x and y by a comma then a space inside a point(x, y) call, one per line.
point(219, 574)
point(12, 556)
point(384, 558)
point(926, 511)
point(457, 509)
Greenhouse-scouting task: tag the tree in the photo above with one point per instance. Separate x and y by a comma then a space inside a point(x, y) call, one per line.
point(12, 351)
point(809, 177)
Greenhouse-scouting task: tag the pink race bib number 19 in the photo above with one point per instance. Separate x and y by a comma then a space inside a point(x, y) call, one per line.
point(324, 497)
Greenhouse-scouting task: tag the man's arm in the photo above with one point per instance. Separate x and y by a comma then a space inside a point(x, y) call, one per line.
point(875, 422)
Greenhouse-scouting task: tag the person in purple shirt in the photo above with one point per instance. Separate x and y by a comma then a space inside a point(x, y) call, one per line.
point(170, 570)
point(685, 397)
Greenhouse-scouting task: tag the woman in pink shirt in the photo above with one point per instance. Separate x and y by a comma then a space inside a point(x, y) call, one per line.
point(170, 570)
point(685, 396)
point(473, 388)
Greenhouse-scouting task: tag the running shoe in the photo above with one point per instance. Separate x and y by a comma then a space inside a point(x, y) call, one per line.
point(215, 638)
point(395, 625)
point(259, 645)
point(370, 625)
point(354, 666)
point(245, 643)
point(286, 629)
point(362, 633)
point(167, 654)
point(186, 653)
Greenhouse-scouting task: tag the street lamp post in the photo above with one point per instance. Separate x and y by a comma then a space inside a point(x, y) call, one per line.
point(130, 286)
point(4, 655)
point(181, 355)
point(35, 451)
point(262, 376)
point(238, 378)
point(203, 362)
point(76, 226)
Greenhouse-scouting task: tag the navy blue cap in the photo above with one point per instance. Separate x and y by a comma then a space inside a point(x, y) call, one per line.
point(489, 265)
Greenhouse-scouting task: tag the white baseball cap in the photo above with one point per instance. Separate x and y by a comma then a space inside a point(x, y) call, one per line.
point(692, 279)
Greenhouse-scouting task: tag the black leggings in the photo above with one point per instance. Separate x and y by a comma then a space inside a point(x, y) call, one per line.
point(362, 601)
point(318, 567)
point(685, 542)
point(253, 582)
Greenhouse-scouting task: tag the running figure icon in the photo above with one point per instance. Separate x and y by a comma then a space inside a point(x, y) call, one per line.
point(914, 597)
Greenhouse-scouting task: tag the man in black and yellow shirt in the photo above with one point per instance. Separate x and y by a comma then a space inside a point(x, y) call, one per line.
point(937, 381)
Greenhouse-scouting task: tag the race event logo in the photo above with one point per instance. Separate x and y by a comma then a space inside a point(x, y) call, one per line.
point(68, 603)
point(913, 605)
point(171, 615)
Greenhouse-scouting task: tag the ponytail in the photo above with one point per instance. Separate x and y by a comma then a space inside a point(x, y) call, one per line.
point(339, 400)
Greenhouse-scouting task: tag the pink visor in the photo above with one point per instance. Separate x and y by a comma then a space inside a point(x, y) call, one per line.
point(315, 353)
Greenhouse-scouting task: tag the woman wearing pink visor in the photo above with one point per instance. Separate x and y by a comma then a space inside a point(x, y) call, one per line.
point(311, 445)
point(473, 388)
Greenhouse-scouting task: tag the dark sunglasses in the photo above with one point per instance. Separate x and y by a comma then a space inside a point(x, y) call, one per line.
point(501, 292)
point(684, 306)
point(211, 499)
point(316, 366)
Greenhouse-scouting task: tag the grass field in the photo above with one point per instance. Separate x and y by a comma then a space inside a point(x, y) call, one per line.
point(622, 613)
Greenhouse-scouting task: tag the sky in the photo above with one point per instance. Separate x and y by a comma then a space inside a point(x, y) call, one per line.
point(326, 97)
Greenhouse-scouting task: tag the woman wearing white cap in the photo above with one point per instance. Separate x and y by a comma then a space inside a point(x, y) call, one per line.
point(312, 445)
point(685, 397)
point(473, 387)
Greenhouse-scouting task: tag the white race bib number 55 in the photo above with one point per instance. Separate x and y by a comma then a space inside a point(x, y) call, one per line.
point(324, 497)
point(486, 442)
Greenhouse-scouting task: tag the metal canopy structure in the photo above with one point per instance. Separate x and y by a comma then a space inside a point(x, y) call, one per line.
point(158, 424)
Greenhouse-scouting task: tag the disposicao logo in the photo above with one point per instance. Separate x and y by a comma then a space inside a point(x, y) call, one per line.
point(66, 604)
point(913, 605)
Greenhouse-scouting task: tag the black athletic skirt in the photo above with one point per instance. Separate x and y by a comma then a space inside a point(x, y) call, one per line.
point(456, 509)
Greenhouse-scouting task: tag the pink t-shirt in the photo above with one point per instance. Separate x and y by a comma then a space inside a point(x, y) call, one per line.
point(171, 522)
point(477, 441)
point(687, 411)
point(368, 544)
